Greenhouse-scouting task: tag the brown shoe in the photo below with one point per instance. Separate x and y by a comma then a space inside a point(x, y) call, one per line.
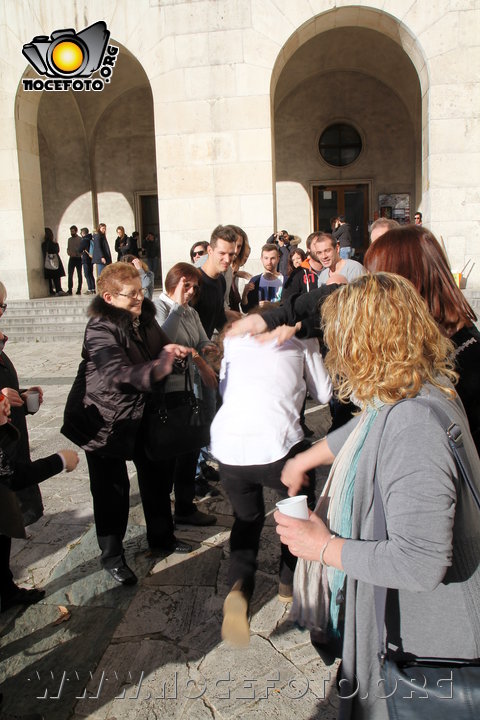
point(235, 626)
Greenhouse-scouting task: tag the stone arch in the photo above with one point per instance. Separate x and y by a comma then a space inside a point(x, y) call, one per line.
point(67, 175)
point(347, 49)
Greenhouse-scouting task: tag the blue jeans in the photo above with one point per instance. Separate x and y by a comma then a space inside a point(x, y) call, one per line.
point(346, 252)
point(209, 397)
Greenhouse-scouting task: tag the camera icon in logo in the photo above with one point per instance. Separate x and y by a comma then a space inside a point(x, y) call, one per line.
point(67, 53)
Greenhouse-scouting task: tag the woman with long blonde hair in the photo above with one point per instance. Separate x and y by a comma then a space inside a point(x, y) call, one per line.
point(387, 352)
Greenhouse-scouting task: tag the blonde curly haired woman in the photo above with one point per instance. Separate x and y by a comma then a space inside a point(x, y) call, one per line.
point(386, 350)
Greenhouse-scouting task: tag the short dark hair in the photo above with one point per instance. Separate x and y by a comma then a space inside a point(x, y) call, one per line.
point(268, 247)
point(181, 269)
point(74, 227)
point(327, 236)
point(319, 234)
point(419, 214)
point(223, 232)
point(84, 230)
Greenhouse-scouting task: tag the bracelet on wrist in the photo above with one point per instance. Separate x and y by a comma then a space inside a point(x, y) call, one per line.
point(324, 547)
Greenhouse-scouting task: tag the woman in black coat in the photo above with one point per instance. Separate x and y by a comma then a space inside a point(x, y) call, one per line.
point(50, 247)
point(125, 356)
point(18, 473)
point(101, 255)
point(29, 498)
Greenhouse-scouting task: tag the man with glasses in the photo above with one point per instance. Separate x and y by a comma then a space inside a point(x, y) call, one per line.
point(198, 250)
point(418, 218)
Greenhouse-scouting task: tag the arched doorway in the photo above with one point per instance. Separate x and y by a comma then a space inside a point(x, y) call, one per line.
point(94, 160)
point(333, 74)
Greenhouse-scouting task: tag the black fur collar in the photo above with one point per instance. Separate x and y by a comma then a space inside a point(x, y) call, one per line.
point(99, 308)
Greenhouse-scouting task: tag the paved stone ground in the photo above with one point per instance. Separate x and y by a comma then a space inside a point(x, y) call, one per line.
point(153, 650)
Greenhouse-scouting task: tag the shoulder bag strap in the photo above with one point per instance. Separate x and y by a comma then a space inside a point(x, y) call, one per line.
point(455, 441)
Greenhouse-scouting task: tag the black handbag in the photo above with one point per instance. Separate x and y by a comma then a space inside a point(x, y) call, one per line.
point(421, 687)
point(175, 423)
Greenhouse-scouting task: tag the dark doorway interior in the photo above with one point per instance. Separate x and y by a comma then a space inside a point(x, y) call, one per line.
point(149, 222)
point(350, 200)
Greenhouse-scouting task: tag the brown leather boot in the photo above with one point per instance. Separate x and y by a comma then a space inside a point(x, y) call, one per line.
point(235, 626)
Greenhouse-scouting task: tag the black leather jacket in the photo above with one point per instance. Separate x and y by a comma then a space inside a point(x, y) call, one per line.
point(105, 406)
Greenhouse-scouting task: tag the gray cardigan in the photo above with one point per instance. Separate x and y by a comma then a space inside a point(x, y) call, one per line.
point(432, 552)
point(183, 326)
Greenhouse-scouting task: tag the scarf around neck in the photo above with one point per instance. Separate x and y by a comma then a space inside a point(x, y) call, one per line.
point(316, 588)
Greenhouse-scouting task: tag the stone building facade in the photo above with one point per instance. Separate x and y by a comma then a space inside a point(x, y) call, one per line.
point(215, 111)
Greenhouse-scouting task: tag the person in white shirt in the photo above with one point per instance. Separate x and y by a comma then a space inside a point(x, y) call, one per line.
point(256, 430)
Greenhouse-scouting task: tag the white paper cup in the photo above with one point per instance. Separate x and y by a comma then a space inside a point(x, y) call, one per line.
point(294, 506)
point(33, 401)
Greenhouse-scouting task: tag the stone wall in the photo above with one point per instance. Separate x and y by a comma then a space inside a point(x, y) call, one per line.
point(215, 70)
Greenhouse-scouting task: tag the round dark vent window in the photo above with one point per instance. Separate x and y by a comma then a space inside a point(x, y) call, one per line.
point(340, 144)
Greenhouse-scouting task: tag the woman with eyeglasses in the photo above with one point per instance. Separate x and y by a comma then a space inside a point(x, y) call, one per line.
point(125, 356)
point(181, 322)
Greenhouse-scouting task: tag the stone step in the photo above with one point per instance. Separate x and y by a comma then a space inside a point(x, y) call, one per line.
point(14, 313)
point(31, 320)
point(46, 319)
point(67, 303)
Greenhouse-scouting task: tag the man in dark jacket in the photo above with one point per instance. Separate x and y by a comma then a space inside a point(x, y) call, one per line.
point(86, 248)
point(342, 234)
point(304, 278)
point(74, 259)
point(151, 245)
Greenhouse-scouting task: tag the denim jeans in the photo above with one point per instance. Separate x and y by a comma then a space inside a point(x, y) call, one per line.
point(346, 252)
point(209, 397)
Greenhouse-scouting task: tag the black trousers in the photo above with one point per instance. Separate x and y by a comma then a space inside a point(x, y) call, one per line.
point(54, 285)
point(181, 471)
point(88, 272)
point(110, 488)
point(74, 263)
point(6, 578)
point(244, 486)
